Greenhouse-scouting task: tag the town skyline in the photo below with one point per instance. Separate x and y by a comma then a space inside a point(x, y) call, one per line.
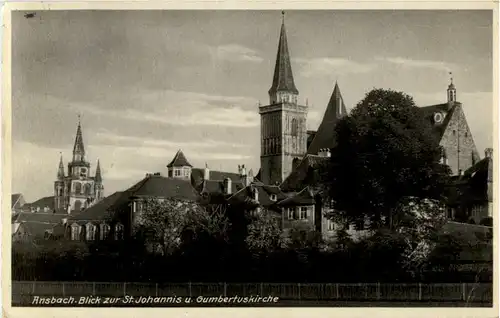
point(136, 114)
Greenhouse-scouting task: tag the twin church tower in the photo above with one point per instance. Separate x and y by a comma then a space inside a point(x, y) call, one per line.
point(78, 189)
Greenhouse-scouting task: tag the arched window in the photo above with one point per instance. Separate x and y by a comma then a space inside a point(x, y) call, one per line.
point(75, 232)
point(104, 231)
point(90, 230)
point(78, 187)
point(119, 231)
point(295, 127)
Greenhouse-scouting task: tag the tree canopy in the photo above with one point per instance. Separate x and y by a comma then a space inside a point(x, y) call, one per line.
point(385, 151)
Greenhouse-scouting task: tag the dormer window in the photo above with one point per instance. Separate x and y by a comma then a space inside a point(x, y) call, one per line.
point(273, 197)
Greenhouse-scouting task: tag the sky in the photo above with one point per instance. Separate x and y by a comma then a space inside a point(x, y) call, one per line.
point(147, 83)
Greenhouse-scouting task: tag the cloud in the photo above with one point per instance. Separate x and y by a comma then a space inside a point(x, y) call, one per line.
point(413, 63)
point(237, 53)
point(328, 66)
point(107, 137)
point(175, 108)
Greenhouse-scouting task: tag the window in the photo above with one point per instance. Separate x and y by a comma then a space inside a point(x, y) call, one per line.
point(290, 212)
point(273, 197)
point(75, 232)
point(88, 189)
point(303, 213)
point(104, 231)
point(78, 187)
point(90, 232)
point(454, 132)
point(177, 172)
point(330, 225)
point(295, 127)
point(186, 172)
point(119, 231)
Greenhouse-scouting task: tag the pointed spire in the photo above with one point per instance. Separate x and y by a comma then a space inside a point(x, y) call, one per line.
point(283, 76)
point(78, 148)
point(98, 176)
point(179, 160)
point(60, 171)
point(335, 110)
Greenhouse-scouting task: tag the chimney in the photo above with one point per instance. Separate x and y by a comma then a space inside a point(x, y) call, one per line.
point(227, 186)
point(488, 153)
point(206, 173)
point(64, 221)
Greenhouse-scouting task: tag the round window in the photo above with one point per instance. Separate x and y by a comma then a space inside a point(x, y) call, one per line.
point(438, 117)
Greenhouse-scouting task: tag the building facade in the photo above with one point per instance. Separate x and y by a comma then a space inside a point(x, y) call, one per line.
point(77, 189)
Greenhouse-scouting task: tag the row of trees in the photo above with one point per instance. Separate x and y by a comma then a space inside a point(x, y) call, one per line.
point(385, 168)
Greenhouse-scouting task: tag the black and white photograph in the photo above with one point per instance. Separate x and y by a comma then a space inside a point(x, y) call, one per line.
point(252, 158)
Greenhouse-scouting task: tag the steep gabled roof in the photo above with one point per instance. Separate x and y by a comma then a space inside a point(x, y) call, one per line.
point(179, 160)
point(306, 173)
point(429, 111)
point(325, 136)
point(283, 76)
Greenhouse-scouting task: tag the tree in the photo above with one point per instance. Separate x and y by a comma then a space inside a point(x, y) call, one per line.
point(385, 151)
point(161, 223)
point(264, 233)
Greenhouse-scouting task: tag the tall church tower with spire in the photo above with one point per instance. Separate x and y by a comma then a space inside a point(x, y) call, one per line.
point(78, 189)
point(283, 121)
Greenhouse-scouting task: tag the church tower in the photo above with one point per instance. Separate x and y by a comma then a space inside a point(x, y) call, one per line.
point(78, 189)
point(283, 121)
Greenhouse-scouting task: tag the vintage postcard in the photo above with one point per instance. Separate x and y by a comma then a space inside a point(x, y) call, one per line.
point(252, 157)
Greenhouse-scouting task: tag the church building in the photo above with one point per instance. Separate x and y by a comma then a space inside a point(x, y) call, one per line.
point(77, 189)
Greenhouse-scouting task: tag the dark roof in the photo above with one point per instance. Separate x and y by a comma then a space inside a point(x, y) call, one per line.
point(100, 210)
point(325, 136)
point(41, 203)
point(307, 173)
point(179, 160)
point(162, 187)
point(304, 197)
point(197, 176)
point(15, 200)
point(310, 137)
point(216, 186)
point(40, 217)
point(283, 76)
point(246, 195)
point(429, 111)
